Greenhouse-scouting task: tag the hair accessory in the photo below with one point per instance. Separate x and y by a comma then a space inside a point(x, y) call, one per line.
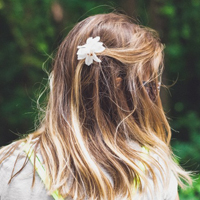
point(88, 50)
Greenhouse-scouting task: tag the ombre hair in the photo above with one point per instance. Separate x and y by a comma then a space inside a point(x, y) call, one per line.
point(91, 119)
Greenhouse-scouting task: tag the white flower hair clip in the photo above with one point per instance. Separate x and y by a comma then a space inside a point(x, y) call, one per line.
point(88, 50)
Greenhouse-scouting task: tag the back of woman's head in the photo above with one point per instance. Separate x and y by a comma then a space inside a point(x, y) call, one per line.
point(96, 113)
point(110, 94)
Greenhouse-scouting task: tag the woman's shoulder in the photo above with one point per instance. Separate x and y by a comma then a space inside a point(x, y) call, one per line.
point(20, 186)
point(167, 181)
point(167, 186)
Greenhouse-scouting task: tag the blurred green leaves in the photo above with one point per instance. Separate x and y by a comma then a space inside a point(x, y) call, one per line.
point(191, 193)
point(168, 10)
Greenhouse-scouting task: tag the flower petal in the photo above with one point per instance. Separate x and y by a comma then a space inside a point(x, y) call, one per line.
point(89, 40)
point(82, 46)
point(88, 60)
point(99, 49)
point(96, 39)
point(81, 56)
point(96, 58)
point(82, 51)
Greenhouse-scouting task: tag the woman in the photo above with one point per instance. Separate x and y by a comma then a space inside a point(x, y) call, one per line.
point(104, 134)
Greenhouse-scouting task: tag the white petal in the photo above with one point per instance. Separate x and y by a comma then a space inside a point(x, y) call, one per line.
point(96, 39)
point(81, 46)
point(88, 60)
point(89, 40)
point(99, 43)
point(81, 51)
point(99, 49)
point(81, 56)
point(96, 58)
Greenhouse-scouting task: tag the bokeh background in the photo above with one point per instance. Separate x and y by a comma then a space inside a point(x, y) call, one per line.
point(30, 32)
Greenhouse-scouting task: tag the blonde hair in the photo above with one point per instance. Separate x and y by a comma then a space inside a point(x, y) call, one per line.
point(90, 120)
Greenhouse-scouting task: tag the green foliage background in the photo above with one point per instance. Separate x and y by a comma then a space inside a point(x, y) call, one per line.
point(32, 30)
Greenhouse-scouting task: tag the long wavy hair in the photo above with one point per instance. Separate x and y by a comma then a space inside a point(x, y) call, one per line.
point(95, 112)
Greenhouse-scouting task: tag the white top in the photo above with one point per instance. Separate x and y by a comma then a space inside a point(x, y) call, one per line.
point(20, 186)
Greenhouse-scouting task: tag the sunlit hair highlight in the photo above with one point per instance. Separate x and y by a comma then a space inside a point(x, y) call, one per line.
point(91, 119)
